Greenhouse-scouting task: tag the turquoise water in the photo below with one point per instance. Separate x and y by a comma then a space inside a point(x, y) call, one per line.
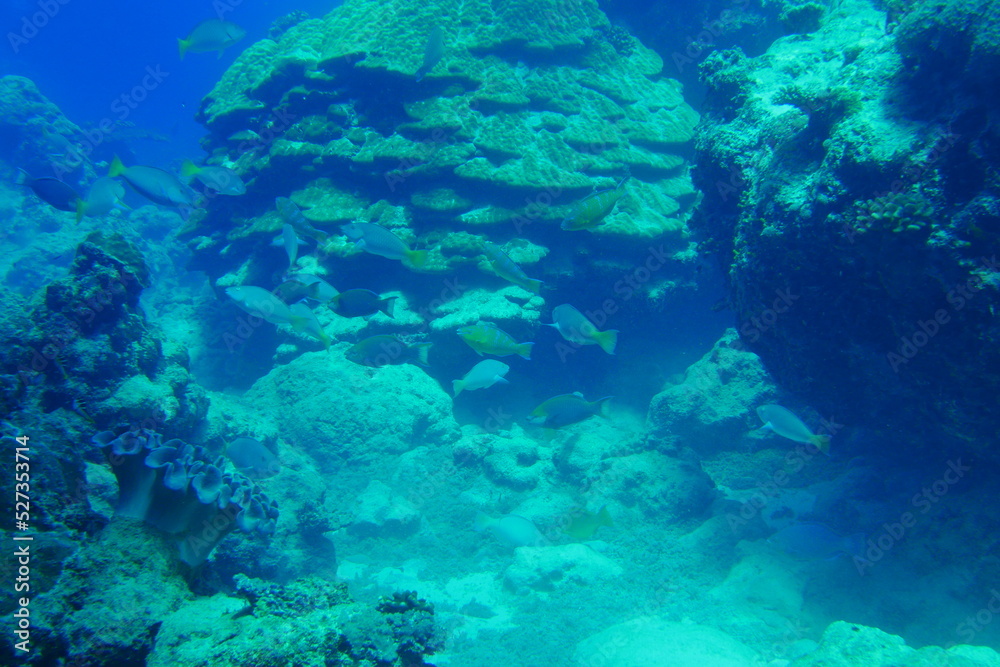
point(521, 333)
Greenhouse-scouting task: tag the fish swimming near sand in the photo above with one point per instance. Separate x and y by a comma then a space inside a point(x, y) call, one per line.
point(483, 375)
point(566, 409)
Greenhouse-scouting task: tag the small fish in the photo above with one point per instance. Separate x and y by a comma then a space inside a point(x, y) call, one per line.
point(566, 409)
point(211, 35)
point(291, 214)
point(382, 350)
point(433, 51)
point(378, 240)
point(483, 375)
point(52, 191)
point(304, 286)
point(305, 320)
point(105, 194)
point(592, 209)
point(585, 524)
point(488, 338)
point(361, 303)
point(784, 422)
point(816, 541)
point(223, 180)
point(156, 185)
point(576, 328)
point(513, 530)
point(252, 458)
point(508, 269)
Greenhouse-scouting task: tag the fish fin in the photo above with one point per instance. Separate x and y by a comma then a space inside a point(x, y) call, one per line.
point(388, 305)
point(608, 340)
point(182, 47)
point(601, 402)
point(417, 258)
point(422, 354)
point(116, 168)
point(500, 380)
point(604, 517)
point(822, 443)
point(457, 386)
point(189, 169)
point(524, 350)
point(81, 208)
point(22, 177)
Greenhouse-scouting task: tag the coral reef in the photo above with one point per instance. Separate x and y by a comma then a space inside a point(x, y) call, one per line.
point(856, 216)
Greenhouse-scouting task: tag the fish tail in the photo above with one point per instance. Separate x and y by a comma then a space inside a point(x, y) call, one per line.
point(524, 350)
point(604, 517)
point(457, 386)
point(533, 285)
point(608, 340)
point(81, 208)
point(386, 305)
point(418, 258)
point(189, 169)
point(182, 47)
point(116, 168)
point(822, 442)
point(601, 402)
point(421, 359)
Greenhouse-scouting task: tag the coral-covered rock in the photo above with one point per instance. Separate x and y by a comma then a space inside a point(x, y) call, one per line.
point(545, 568)
point(858, 218)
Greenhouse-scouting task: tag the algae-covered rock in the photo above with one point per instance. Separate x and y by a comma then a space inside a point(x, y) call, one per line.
point(337, 411)
point(480, 139)
point(712, 408)
point(851, 645)
point(859, 237)
point(545, 568)
point(653, 642)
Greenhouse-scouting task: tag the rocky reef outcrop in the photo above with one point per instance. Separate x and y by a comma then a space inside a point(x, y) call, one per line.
point(857, 215)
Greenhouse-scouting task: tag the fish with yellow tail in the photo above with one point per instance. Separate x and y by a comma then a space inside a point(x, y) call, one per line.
point(590, 211)
point(508, 269)
point(378, 240)
point(784, 422)
point(566, 409)
point(584, 524)
point(210, 35)
point(488, 338)
point(576, 328)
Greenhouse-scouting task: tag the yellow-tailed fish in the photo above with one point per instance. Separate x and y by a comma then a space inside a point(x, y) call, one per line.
point(566, 409)
point(222, 180)
point(378, 240)
point(210, 35)
point(784, 422)
point(291, 214)
point(259, 302)
point(576, 328)
point(513, 530)
point(104, 194)
point(156, 185)
point(592, 209)
point(305, 320)
point(508, 269)
point(585, 524)
point(487, 338)
point(383, 350)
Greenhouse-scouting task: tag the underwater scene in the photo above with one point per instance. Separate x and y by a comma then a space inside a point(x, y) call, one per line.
point(528, 333)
